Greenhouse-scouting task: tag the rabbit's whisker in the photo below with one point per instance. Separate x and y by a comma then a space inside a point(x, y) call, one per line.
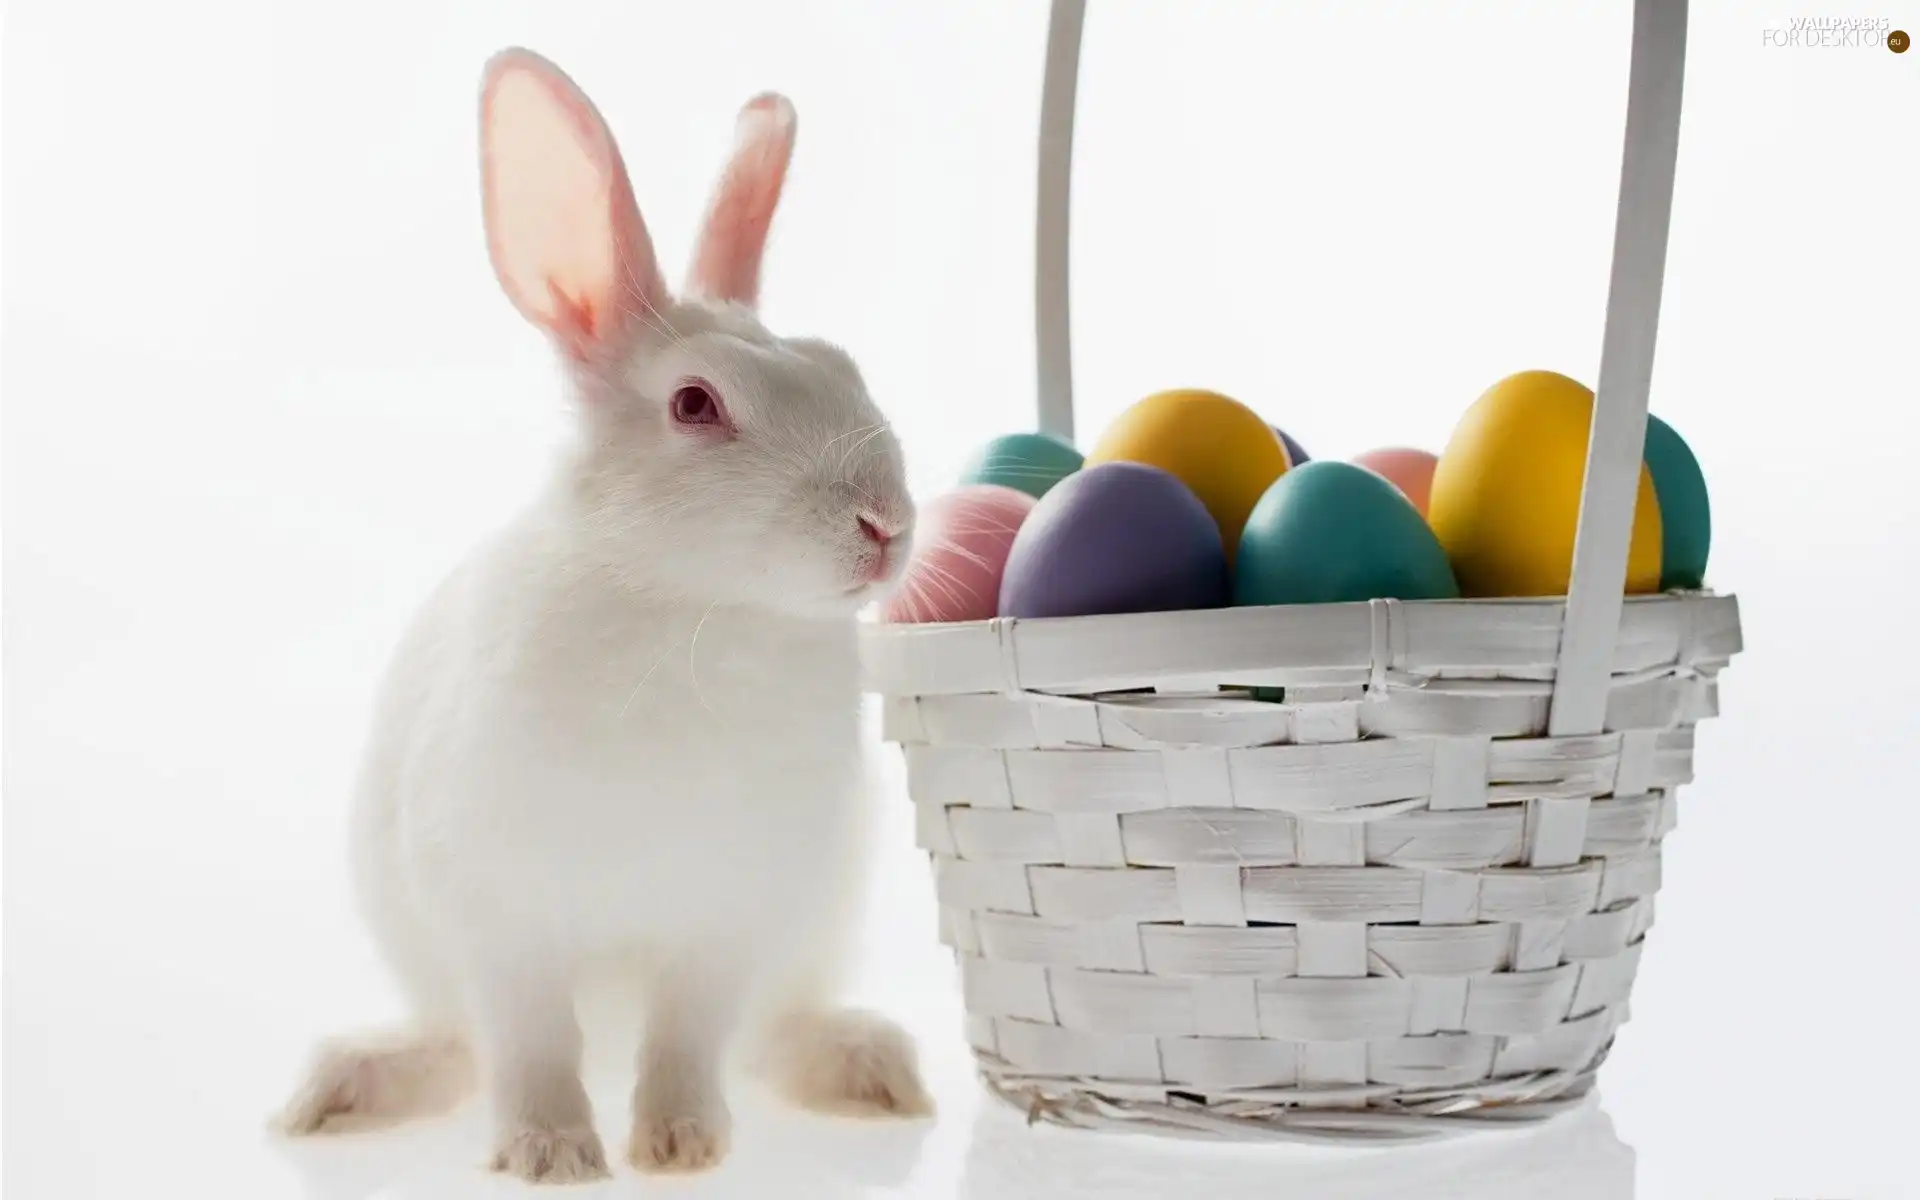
point(693, 648)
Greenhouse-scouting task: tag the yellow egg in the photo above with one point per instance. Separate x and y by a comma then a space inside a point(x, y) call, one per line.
point(1506, 493)
point(1218, 447)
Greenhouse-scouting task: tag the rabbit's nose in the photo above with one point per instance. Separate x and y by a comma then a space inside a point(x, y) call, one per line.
point(880, 535)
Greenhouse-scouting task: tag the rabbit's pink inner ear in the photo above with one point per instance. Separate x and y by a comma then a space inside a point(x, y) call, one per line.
point(733, 238)
point(564, 233)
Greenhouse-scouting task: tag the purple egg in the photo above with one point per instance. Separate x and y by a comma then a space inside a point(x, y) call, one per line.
point(1118, 537)
point(1296, 453)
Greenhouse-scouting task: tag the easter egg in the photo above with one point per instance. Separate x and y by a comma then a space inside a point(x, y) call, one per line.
point(959, 555)
point(1218, 447)
point(1505, 500)
point(1330, 532)
point(1118, 537)
point(1686, 525)
point(1026, 462)
point(1296, 453)
point(1409, 470)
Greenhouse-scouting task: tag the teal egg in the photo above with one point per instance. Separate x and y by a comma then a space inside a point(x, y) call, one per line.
point(1027, 462)
point(1328, 532)
point(1686, 525)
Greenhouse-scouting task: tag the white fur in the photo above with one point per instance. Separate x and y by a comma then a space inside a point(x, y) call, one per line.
point(622, 741)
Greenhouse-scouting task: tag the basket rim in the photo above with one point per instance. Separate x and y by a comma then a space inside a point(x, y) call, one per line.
point(871, 620)
point(1343, 645)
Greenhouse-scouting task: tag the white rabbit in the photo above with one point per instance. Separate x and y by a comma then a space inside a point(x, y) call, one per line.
point(624, 736)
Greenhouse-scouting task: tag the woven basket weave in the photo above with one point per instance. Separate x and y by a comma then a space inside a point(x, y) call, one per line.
point(1405, 898)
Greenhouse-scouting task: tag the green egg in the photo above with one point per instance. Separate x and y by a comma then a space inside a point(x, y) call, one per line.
point(1686, 524)
point(1328, 532)
point(1027, 462)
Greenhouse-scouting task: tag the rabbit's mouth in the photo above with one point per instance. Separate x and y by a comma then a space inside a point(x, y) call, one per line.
point(876, 590)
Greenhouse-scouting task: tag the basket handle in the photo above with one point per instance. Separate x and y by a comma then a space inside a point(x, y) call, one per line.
point(1053, 334)
point(1617, 441)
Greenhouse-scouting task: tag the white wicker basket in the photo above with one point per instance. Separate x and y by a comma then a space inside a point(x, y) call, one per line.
point(1407, 899)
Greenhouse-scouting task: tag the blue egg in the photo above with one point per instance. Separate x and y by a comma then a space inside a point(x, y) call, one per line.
point(1686, 523)
point(1027, 462)
point(1329, 532)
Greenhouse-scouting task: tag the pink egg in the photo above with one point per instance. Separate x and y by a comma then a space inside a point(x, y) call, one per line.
point(959, 554)
point(1409, 470)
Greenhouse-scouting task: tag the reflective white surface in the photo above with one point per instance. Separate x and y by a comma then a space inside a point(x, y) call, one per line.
point(259, 393)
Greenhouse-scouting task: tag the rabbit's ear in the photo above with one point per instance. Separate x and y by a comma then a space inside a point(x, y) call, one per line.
point(726, 259)
point(564, 233)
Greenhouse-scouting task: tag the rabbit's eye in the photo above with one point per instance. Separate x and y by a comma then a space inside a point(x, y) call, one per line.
point(695, 404)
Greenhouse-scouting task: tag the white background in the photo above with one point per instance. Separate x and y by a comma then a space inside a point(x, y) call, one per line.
point(260, 391)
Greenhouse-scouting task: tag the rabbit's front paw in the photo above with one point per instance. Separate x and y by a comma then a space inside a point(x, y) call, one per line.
point(551, 1156)
point(670, 1141)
